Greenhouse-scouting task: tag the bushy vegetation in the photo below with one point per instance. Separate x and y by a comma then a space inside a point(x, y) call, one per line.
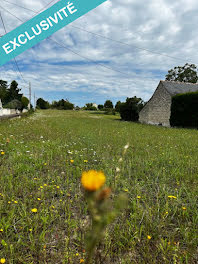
point(43, 214)
point(184, 110)
point(90, 107)
point(129, 111)
point(108, 104)
point(42, 104)
point(11, 96)
point(62, 105)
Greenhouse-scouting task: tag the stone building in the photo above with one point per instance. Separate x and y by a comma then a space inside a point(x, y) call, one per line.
point(157, 110)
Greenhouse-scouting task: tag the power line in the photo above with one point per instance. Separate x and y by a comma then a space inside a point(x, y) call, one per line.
point(60, 44)
point(19, 6)
point(102, 36)
point(10, 13)
point(126, 44)
point(102, 65)
point(17, 66)
point(45, 6)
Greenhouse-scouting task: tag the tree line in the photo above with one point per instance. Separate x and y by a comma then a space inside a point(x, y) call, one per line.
point(128, 110)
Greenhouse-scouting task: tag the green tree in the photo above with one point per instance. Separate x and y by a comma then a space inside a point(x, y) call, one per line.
point(25, 102)
point(117, 106)
point(42, 104)
point(100, 106)
point(4, 92)
point(14, 92)
point(129, 111)
point(62, 105)
point(14, 104)
point(108, 104)
point(187, 73)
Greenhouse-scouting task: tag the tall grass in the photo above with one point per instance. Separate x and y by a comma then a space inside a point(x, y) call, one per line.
point(43, 157)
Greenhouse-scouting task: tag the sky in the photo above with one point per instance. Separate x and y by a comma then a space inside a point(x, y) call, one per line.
point(123, 48)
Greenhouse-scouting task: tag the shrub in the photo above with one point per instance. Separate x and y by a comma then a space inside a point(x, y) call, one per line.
point(100, 107)
point(25, 102)
point(15, 104)
point(90, 107)
point(184, 110)
point(129, 111)
point(42, 104)
point(108, 104)
point(62, 105)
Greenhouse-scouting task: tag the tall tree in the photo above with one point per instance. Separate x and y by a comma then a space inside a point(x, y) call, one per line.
point(4, 91)
point(187, 73)
point(13, 91)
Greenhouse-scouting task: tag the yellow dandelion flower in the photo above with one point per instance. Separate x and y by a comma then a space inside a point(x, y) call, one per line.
point(166, 212)
point(35, 178)
point(30, 229)
point(45, 185)
point(93, 180)
point(2, 260)
point(85, 161)
point(2, 153)
point(77, 254)
point(138, 196)
point(9, 202)
point(1, 230)
point(172, 197)
point(126, 190)
point(72, 161)
point(34, 210)
point(15, 202)
point(38, 199)
point(184, 208)
point(82, 260)
point(149, 237)
point(45, 164)
point(58, 187)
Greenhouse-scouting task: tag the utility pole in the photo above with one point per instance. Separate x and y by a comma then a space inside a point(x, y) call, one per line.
point(34, 101)
point(30, 95)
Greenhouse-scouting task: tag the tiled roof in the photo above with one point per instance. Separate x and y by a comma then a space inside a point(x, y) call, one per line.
point(179, 87)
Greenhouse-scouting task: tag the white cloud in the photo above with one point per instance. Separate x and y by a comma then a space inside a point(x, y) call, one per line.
point(161, 26)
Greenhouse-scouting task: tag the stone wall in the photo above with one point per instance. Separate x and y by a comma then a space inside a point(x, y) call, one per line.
point(158, 109)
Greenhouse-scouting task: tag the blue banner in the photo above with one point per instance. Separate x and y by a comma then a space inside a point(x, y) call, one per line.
point(42, 26)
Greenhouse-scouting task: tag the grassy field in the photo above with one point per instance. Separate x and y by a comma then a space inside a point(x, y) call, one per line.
point(41, 162)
